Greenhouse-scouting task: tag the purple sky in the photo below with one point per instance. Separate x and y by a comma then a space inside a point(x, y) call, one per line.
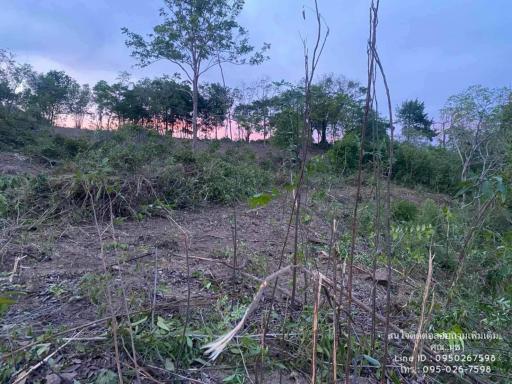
point(431, 49)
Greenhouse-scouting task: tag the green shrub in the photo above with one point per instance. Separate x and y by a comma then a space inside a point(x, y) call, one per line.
point(18, 129)
point(214, 146)
point(344, 154)
point(404, 210)
point(429, 212)
point(224, 181)
point(134, 169)
point(318, 165)
point(58, 147)
point(4, 205)
point(434, 168)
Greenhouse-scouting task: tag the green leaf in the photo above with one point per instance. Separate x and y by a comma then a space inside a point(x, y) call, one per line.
point(138, 322)
point(41, 349)
point(289, 187)
point(201, 361)
point(6, 301)
point(372, 361)
point(234, 378)
point(260, 199)
point(160, 323)
point(306, 219)
point(169, 365)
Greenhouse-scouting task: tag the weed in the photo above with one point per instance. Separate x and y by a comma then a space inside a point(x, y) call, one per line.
point(106, 376)
point(235, 378)
point(404, 211)
point(57, 289)
point(93, 287)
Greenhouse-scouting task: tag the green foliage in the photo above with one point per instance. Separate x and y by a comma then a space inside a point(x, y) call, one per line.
point(224, 181)
point(288, 126)
point(404, 210)
point(17, 129)
point(196, 35)
point(235, 378)
point(162, 342)
point(344, 154)
point(260, 199)
point(106, 376)
point(429, 213)
point(485, 109)
point(413, 240)
point(4, 205)
point(415, 122)
point(50, 95)
point(138, 170)
point(59, 147)
point(434, 168)
point(93, 287)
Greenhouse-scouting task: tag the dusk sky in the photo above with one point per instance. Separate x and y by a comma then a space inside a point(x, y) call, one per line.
point(430, 49)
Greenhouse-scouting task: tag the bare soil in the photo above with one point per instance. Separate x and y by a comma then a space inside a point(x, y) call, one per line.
point(56, 257)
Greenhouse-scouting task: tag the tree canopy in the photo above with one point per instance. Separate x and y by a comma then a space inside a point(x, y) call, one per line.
point(416, 125)
point(196, 35)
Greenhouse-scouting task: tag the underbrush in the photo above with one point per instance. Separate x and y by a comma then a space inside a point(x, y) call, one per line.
point(436, 169)
point(33, 137)
point(135, 171)
point(480, 302)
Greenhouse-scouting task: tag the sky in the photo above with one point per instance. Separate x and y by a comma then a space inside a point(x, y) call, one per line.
point(430, 49)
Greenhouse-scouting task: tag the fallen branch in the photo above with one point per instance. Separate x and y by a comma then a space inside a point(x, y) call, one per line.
point(215, 348)
point(25, 374)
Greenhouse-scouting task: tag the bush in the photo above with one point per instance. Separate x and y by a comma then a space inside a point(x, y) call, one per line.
point(133, 169)
point(58, 147)
point(434, 168)
point(429, 213)
point(4, 205)
point(225, 181)
point(17, 129)
point(404, 210)
point(344, 154)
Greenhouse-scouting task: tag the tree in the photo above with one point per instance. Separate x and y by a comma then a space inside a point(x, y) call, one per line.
point(79, 101)
point(476, 130)
point(287, 120)
point(415, 122)
point(217, 102)
point(50, 94)
point(246, 116)
point(14, 79)
point(102, 97)
point(196, 35)
point(171, 101)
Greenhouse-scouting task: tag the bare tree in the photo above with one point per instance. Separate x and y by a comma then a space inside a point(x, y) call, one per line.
point(474, 129)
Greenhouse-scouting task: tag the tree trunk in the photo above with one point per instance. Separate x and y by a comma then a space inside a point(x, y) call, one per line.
point(195, 98)
point(323, 140)
point(264, 130)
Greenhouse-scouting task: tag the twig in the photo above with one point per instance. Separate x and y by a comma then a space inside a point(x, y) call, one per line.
point(334, 257)
point(125, 299)
point(371, 66)
point(235, 241)
point(109, 293)
point(426, 291)
point(155, 280)
point(315, 327)
point(17, 261)
point(25, 375)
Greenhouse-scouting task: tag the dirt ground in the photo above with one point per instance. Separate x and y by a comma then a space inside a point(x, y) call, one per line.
point(18, 164)
point(54, 258)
